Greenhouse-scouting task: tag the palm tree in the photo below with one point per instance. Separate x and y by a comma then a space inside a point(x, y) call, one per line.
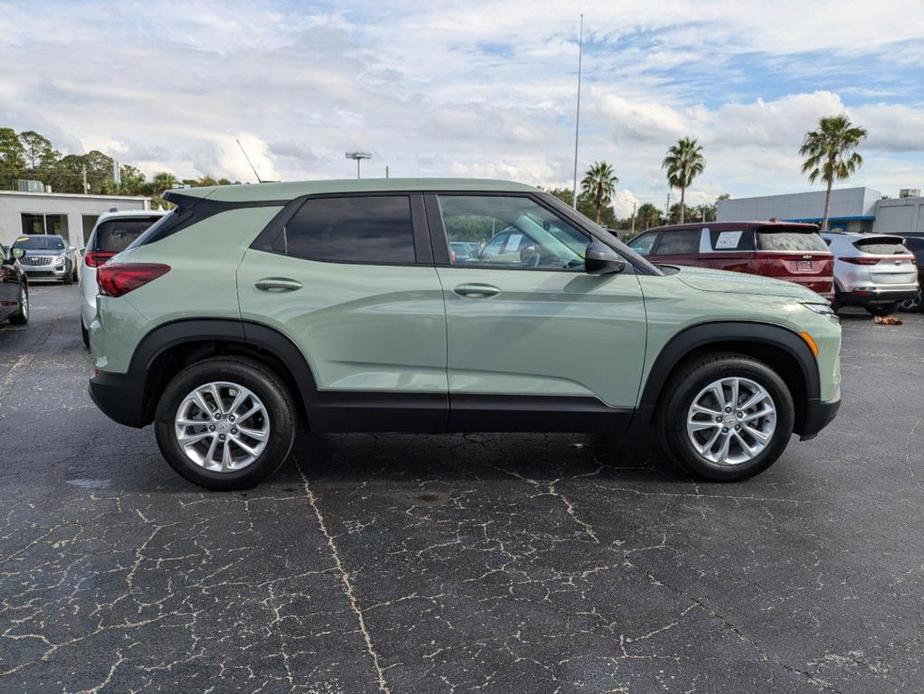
point(831, 156)
point(684, 162)
point(599, 184)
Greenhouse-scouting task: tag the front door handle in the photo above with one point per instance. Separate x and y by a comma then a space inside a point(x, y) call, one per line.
point(477, 291)
point(277, 284)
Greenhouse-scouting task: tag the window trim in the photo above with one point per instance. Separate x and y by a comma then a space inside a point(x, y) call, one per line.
point(422, 251)
point(440, 242)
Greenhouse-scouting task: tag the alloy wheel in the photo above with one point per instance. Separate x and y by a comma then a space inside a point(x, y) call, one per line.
point(222, 426)
point(731, 421)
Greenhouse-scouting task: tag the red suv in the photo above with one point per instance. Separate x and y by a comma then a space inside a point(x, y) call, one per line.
point(783, 250)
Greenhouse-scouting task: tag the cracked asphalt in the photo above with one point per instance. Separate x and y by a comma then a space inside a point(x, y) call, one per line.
point(496, 563)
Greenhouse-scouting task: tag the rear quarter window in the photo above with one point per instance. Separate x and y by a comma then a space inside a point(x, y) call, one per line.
point(881, 245)
point(783, 239)
point(731, 240)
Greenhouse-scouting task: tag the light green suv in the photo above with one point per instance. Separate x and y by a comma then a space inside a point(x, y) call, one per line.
point(439, 305)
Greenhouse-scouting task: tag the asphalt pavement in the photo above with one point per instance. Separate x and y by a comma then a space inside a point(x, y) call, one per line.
point(492, 563)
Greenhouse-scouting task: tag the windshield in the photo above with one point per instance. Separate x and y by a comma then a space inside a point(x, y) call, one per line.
point(781, 238)
point(114, 235)
point(881, 245)
point(40, 242)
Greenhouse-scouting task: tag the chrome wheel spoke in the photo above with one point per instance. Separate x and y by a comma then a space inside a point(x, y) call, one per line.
point(208, 429)
point(740, 430)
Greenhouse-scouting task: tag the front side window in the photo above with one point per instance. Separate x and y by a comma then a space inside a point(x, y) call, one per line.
point(355, 229)
point(509, 232)
point(679, 243)
point(642, 244)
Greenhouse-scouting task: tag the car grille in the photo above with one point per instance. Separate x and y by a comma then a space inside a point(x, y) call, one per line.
point(36, 260)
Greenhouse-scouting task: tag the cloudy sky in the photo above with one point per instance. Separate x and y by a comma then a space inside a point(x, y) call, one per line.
point(470, 88)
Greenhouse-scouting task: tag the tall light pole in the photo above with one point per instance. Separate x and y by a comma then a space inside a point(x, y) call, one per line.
point(358, 156)
point(577, 117)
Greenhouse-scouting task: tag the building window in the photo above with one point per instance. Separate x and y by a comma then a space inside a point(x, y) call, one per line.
point(45, 224)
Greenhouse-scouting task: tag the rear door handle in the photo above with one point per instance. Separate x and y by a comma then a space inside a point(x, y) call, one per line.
point(477, 291)
point(277, 284)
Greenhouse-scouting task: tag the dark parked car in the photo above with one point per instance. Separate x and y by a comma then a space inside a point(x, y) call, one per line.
point(782, 250)
point(915, 244)
point(14, 287)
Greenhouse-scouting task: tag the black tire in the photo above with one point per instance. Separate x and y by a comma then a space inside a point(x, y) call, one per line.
point(85, 334)
point(68, 275)
point(686, 384)
point(913, 304)
point(251, 375)
point(21, 317)
point(882, 309)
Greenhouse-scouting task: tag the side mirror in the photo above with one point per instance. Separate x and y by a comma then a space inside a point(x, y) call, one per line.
point(600, 259)
point(17, 253)
point(72, 248)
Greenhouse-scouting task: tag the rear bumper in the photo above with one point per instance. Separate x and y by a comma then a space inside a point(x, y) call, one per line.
point(862, 297)
point(818, 415)
point(120, 397)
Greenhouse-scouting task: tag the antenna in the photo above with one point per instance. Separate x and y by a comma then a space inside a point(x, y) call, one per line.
point(244, 152)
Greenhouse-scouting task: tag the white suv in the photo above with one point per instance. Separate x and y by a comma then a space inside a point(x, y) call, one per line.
point(874, 271)
point(113, 233)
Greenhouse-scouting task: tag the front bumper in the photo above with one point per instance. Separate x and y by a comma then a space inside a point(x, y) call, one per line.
point(818, 415)
point(120, 397)
point(48, 272)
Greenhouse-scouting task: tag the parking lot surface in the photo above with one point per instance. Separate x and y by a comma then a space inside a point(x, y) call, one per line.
point(511, 563)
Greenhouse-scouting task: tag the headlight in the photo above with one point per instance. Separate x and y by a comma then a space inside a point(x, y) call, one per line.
point(822, 310)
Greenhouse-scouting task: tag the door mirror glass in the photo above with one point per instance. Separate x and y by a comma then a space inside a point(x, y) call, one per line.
point(600, 259)
point(17, 253)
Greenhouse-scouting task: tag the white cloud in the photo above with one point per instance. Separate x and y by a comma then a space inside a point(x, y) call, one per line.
point(480, 89)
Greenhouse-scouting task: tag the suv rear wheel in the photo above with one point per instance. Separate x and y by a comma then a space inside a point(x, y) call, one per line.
point(225, 423)
point(727, 417)
point(21, 317)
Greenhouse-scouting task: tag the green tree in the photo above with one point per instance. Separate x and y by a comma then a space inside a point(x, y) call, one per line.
point(133, 181)
point(647, 216)
point(599, 184)
point(40, 154)
point(12, 157)
point(683, 163)
point(830, 155)
point(585, 205)
point(161, 182)
point(680, 213)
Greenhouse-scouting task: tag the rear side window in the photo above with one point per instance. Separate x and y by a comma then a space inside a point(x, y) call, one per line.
point(115, 235)
point(678, 243)
point(734, 240)
point(789, 239)
point(374, 229)
point(881, 245)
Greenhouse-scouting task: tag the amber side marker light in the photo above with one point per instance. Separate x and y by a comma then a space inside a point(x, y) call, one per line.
point(810, 341)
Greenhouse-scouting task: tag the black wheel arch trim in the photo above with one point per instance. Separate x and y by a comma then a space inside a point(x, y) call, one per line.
point(725, 332)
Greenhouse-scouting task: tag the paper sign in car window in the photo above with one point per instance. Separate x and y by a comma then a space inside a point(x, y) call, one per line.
point(728, 240)
point(513, 243)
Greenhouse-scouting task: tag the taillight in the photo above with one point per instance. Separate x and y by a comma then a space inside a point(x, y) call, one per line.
point(97, 258)
point(854, 260)
point(121, 278)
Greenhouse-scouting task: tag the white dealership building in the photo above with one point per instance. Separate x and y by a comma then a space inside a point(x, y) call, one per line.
point(70, 215)
point(852, 209)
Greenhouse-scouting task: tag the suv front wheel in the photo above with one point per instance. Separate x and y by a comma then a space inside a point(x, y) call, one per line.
point(727, 417)
point(225, 423)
